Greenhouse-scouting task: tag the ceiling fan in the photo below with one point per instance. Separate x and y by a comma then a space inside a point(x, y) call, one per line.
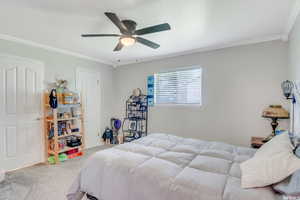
point(129, 35)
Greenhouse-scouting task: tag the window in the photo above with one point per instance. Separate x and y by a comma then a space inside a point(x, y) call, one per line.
point(178, 87)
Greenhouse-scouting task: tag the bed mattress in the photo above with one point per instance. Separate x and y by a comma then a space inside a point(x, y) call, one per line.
point(166, 167)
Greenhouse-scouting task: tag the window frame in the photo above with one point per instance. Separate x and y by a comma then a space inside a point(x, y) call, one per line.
point(198, 105)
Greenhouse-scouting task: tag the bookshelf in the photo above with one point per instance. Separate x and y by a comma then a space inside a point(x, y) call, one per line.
point(135, 124)
point(64, 130)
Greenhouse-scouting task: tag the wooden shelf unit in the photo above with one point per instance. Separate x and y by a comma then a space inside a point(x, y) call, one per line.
point(54, 122)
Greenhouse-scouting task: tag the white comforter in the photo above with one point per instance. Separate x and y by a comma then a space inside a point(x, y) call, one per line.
point(166, 167)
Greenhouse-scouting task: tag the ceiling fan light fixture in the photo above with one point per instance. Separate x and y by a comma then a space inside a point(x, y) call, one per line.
point(129, 35)
point(128, 41)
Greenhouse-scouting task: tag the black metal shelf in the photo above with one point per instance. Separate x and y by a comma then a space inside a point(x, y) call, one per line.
point(135, 123)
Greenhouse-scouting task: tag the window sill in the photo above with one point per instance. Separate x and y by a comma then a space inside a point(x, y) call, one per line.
point(178, 105)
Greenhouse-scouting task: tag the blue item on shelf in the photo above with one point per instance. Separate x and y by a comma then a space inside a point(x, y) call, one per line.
point(150, 90)
point(51, 133)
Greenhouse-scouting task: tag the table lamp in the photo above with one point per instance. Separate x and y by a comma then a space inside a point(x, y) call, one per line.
point(275, 112)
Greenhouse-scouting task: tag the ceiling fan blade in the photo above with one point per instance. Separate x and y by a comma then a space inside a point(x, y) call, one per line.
point(100, 35)
point(118, 47)
point(153, 29)
point(115, 19)
point(147, 43)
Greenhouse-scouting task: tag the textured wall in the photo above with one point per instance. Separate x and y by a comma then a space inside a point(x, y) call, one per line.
point(294, 52)
point(294, 65)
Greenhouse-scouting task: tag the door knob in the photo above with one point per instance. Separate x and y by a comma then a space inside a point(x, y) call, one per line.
point(38, 119)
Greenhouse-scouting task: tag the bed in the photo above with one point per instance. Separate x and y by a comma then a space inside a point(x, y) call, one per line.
point(166, 167)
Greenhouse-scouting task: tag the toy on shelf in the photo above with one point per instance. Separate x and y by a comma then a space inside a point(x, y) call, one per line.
point(53, 99)
point(63, 124)
point(135, 123)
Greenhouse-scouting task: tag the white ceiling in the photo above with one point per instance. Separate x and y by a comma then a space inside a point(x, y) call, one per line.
point(196, 24)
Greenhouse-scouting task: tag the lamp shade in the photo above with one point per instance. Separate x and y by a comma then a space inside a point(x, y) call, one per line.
point(276, 111)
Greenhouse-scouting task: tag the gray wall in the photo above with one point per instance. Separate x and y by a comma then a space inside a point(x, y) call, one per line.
point(239, 82)
point(294, 62)
point(294, 52)
point(64, 66)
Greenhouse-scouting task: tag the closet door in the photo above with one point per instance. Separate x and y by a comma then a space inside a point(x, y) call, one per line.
point(20, 112)
point(88, 83)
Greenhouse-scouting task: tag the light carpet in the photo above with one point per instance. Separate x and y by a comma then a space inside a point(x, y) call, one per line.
point(43, 182)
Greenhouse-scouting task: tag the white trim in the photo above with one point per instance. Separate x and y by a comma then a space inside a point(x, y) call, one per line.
point(147, 59)
point(205, 49)
point(295, 11)
point(21, 59)
point(63, 51)
point(178, 105)
point(190, 67)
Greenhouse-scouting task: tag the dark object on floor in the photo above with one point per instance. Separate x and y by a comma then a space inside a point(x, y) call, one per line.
point(108, 136)
point(257, 142)
point(90, 197)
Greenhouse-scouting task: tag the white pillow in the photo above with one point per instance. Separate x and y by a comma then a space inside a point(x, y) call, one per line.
point(272, 163)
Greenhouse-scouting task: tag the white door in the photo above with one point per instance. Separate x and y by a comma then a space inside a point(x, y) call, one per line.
point(20, 112)
point(88, 84)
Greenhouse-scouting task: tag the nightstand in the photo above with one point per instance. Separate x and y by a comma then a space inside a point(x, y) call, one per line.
point(257, 142)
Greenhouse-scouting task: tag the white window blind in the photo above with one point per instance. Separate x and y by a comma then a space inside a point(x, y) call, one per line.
point(178, 87)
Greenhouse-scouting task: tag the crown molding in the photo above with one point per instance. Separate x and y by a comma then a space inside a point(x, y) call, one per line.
point(148, 59)
point(205, 49)
point(291, 20)
point(58, 50)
